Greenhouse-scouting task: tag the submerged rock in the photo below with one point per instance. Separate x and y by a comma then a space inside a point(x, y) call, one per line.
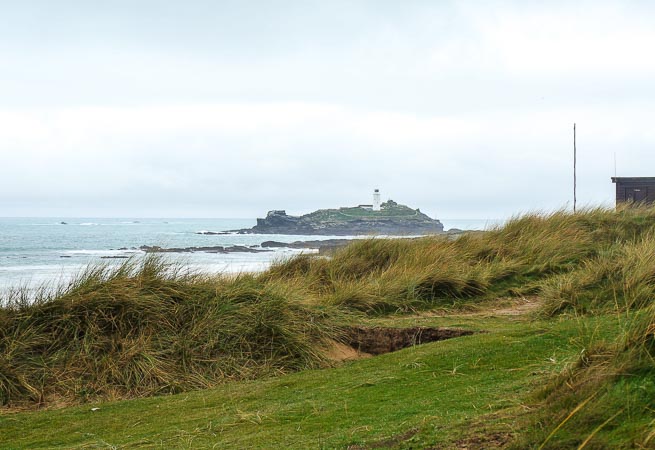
point(324, 247)
point(213, 249)
point(306, 244)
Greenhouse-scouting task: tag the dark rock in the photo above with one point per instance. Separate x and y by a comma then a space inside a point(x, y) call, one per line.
point(297, 244)
point(214, 249)
point(324, 246)
point(392, 219)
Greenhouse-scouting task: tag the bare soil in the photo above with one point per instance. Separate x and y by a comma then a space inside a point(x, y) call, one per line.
point(380, 340)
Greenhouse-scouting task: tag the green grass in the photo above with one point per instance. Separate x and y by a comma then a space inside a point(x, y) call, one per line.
point(345, 214)
point(606, 399)
point(435, 388)
point(247, 356)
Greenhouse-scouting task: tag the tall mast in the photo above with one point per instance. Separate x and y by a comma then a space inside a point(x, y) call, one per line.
point(575, 175)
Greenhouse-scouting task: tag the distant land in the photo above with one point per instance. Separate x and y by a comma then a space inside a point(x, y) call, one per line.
point(388, 218)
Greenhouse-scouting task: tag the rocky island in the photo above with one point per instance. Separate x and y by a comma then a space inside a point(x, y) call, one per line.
point(388, 218)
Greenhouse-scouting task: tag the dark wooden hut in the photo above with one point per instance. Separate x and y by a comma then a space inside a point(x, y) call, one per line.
point(634, 189)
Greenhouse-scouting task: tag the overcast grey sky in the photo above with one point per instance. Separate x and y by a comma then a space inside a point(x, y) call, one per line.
point(195, 108)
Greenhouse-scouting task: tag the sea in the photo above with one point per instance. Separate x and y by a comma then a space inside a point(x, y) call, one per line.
point(36, 252)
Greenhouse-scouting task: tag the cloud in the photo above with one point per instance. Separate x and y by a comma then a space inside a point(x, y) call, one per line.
point(247, 158)
point(218, 109)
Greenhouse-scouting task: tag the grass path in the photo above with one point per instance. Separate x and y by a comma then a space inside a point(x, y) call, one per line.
point(433, 394)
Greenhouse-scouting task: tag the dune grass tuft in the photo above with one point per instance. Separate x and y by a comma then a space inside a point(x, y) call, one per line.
point(149, 328)
point(564, 257)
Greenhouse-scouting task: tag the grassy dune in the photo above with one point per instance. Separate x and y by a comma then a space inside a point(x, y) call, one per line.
point(575, 369)
point(563, 257)
point(147, 329)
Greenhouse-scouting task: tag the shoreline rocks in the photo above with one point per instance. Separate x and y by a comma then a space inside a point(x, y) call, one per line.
point(307, 244)
point(324, 247)
point(212, 249)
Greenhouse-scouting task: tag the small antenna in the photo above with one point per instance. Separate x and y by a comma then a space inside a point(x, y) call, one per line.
point(575, 175)
point(614, 164)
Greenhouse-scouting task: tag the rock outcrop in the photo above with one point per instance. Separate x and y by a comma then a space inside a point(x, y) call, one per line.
point(392, 219)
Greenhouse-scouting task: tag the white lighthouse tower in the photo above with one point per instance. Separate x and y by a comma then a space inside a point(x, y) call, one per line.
point(376, 200)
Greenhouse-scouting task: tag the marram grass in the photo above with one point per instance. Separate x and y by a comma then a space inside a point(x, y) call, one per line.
point(578, 262)
point(147, 328)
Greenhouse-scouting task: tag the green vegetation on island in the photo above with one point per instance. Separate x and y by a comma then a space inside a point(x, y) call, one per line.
point(564, 304)
point(387, 209)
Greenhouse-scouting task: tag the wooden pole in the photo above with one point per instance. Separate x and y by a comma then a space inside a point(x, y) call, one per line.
point(575, 175)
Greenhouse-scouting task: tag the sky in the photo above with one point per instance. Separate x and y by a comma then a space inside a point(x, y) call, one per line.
point(201, 108)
